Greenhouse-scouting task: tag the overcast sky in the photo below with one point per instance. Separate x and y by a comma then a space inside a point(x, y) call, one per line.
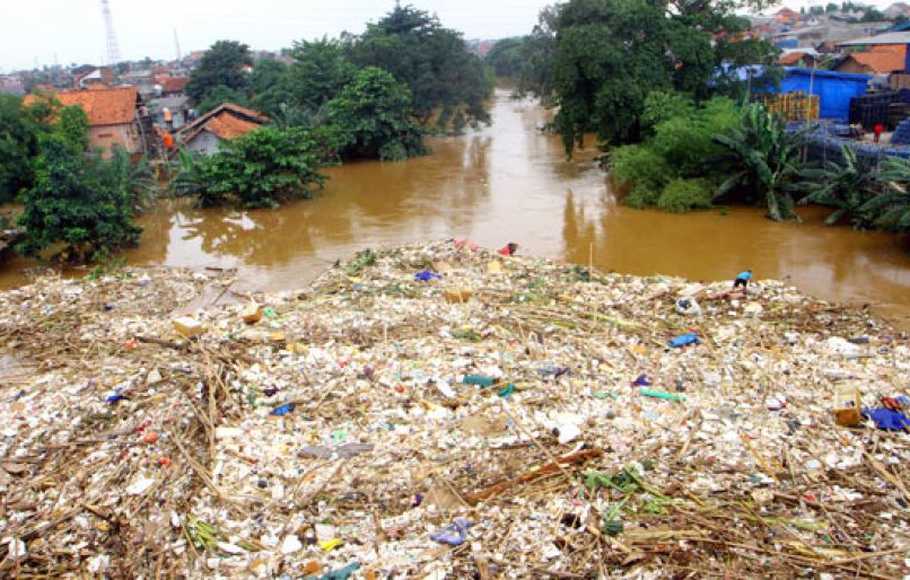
point(70, 31)
point(74, 29)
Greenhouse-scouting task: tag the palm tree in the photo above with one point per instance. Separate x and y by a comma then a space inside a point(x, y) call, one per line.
point(891, 207)
point(845, 186)
point(765, 157)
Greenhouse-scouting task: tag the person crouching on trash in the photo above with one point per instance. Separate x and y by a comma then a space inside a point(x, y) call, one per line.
point(743, 280)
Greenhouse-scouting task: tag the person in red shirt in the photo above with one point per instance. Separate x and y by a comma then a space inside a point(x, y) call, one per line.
point(878, 129)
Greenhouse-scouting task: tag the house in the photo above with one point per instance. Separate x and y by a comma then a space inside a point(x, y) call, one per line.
point(170, 85)
point(786, 16)
point(11, 85)
point(113, 116)
point(798, 57)
point(880, 60)
point(97, 77)
point(227, 122)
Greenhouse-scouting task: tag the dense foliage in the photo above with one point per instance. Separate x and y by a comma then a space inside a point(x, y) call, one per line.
point(19, 131)
point(599, 60)
point(843, 185)
point(509, 57)
point(372, 114)
point(766, 160)
point(222, 66)
point(260, 169)
point(78, 198)
point(680, 147)
point(430, 59)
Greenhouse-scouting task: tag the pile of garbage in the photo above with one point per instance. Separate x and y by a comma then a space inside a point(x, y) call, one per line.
point(442, 411)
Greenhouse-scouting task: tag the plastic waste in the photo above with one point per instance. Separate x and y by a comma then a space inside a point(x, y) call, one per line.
point(188, 327)
point(454, 534)
point(642, 381)
point(888, 419)
point(847, 405)
point(329, 545)
point(685, 340)
point(688, 307)
point(283, 410)
point(426, 276)
point(509, 249)
point(507, 391)
point(661, 395)
point(478, 380)
point(115, 397)
point(342, 573)
point(552, 371)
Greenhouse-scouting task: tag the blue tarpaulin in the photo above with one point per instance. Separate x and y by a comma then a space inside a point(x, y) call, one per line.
point(834, 89)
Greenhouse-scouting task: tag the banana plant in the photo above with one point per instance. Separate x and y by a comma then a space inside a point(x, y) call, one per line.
point(891, 207)
point(845, 185)
point(765, 158)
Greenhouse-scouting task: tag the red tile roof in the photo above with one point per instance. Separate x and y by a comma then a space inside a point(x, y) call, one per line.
point(228, 121)
point(102, 106)
point(172, 84)
point(226, 126)
point(883, 61)
point(791, 58)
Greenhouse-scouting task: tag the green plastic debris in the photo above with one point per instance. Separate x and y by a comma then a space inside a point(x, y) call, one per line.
point(506, 392)
point(605, 395)
point(339, 436)
point(479, 380)
point(663, 395)
point(269, 312)
point(612, 525)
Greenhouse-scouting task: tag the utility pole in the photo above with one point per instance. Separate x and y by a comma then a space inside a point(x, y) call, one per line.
point(113, 50)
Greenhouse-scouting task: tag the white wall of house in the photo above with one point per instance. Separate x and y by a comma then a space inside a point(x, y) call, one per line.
point(205, 143)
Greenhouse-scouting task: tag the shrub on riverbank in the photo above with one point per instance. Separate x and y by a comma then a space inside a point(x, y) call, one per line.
point(681, 148)
point(260, 169)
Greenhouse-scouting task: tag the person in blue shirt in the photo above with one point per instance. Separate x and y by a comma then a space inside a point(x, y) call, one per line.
point(743, 280)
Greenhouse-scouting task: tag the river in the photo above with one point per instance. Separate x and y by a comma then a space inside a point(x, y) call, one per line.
point(510, 182)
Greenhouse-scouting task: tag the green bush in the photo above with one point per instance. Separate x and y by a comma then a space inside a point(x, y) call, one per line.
point(640, 166)
point(662, 106)
point(687, 142)
point(260, 169)
point(683, 195)
point(642, 197)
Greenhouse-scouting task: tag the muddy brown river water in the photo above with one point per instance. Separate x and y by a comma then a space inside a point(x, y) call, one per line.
point(510, 182)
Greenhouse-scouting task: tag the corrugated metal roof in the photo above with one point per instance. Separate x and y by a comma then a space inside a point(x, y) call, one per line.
point(887, 38)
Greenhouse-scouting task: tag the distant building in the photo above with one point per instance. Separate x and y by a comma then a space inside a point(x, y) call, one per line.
point(225, 123)
point(880, 60)
point(170, 85)
point(97, 77)
point(12, 86)
point(113, 116)
point(798, 57)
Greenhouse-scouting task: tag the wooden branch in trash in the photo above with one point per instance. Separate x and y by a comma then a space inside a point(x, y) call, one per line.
point(161, 342)
point(580, 457)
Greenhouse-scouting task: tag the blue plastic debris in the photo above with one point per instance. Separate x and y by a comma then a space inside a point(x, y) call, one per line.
point(342, 573)
point(426, 276)
point(453, 534)
point(283, 410)
point(888, 420)
point(642, 381)
point(115, 397)
point(685, 340)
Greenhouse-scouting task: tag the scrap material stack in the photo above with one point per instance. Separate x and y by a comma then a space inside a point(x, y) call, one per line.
point(440, 411)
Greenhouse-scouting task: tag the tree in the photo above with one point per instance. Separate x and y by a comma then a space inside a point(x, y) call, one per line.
point(508, 57)
point(319, 72)
point(18, 146)
point(430, 59)
point(831, 8)
point(373, 113)
point(766, 161)
point(260, 169)
point(78, 198)
point(220, 95)
point(222, 66)
point(269, 86)
point(598, 60)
